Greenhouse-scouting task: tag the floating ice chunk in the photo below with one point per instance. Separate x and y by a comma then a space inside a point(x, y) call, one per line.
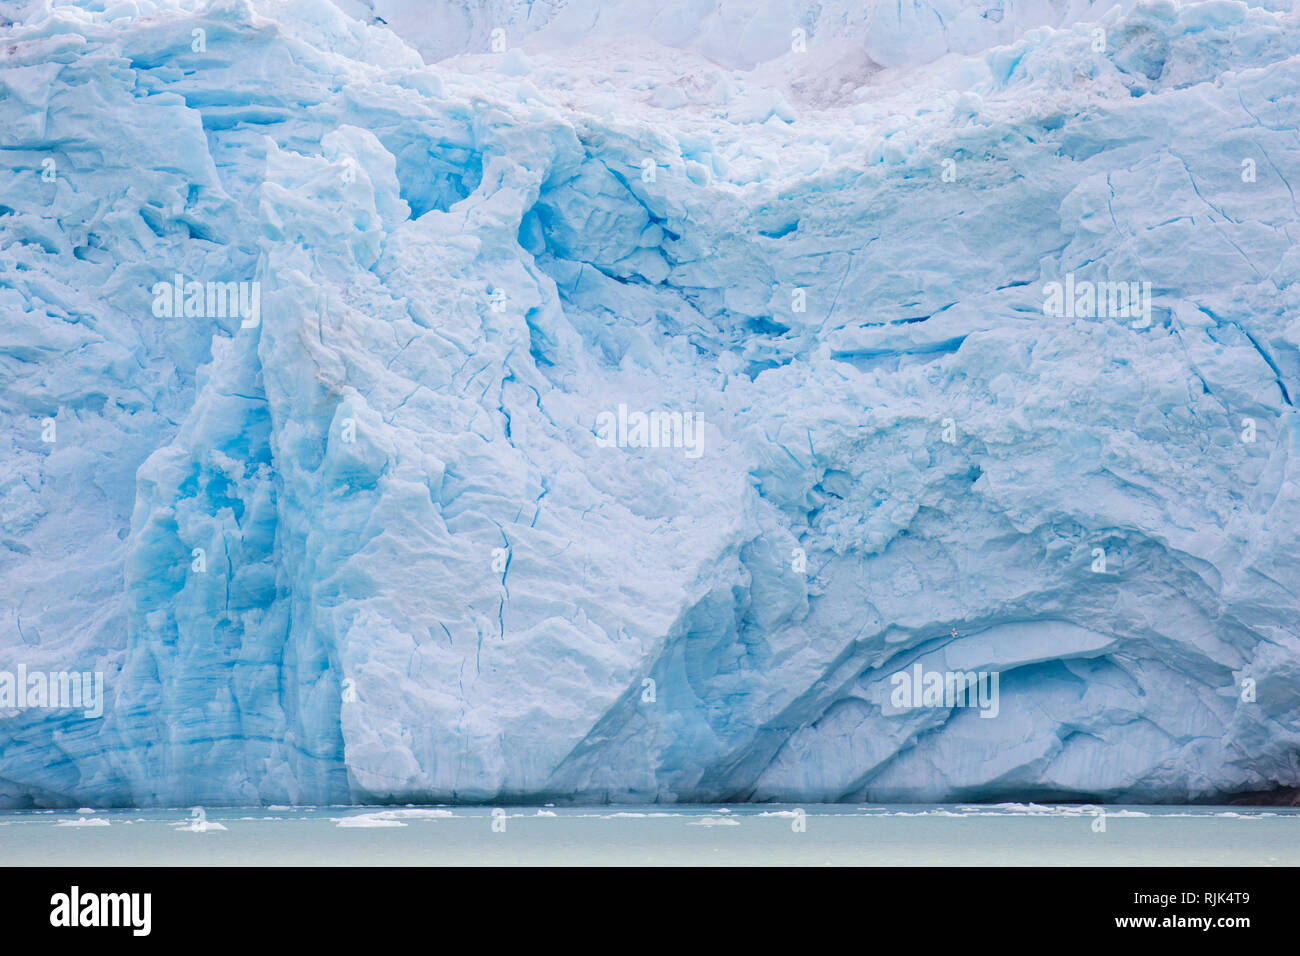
point(198, 823)
point(198, 826)
point(368, 820)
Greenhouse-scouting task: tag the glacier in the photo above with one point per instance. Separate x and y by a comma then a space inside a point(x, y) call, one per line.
point(367, 545)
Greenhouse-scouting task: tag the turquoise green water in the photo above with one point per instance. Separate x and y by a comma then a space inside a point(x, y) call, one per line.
point(737, 835)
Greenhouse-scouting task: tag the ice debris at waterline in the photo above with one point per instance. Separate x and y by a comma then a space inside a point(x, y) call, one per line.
point(335, 520)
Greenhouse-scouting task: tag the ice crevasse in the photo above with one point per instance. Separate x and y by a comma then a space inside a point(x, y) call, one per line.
point(370, 543)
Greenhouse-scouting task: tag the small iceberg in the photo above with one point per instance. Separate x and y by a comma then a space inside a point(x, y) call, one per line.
point(391, 818)
point(367, 820)
point(197, 823)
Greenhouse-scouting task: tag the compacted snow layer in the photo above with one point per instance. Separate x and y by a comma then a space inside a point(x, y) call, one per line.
point(387, 533)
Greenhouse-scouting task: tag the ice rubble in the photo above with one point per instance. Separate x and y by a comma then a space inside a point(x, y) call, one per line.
point(422, 577)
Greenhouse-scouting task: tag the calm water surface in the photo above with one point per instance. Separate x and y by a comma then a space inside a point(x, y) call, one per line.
point(1008, 834)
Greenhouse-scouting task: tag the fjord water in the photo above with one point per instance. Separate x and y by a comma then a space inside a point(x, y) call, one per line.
point(1007, 834)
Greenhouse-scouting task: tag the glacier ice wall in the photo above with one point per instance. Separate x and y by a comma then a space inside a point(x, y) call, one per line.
point(370, 546)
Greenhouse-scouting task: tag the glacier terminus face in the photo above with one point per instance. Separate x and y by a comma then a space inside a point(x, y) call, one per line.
point(648, 401)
